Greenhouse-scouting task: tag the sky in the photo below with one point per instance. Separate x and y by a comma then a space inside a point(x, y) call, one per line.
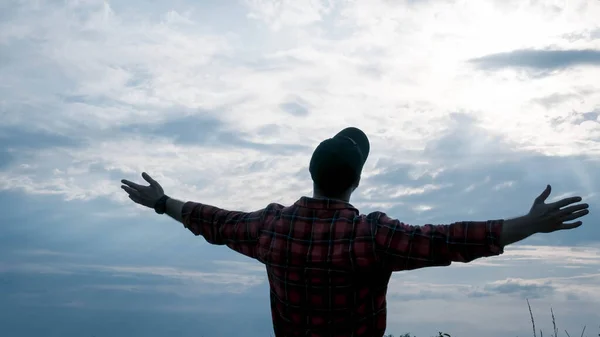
point(471, 107)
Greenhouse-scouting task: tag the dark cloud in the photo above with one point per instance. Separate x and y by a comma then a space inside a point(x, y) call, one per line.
point(464, 139)
point(577, 118)
point(84, 99)
point(591, 116)
point(19, 138)
point(5, 158)
point(75, 227)
point(539, 60)
point(573, 297)
point(61, 305)
point(126, 303)
point(554, 99)
point(197, 129)
point(65, 321)
point(91, 301)
point(13, 141)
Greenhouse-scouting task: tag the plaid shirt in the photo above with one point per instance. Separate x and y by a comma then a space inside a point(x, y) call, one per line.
point(329, 266)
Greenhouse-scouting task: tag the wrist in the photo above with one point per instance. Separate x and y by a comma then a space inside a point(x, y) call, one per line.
point(175, 209)
point(160, 207)
point(530, 225)
point(517, 229)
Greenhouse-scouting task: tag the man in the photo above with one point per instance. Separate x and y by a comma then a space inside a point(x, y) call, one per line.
point(329, 266)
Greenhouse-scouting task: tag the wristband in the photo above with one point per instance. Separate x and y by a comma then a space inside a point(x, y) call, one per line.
point(160, 206)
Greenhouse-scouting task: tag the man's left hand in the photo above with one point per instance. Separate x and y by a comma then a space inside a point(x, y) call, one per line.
point(143, 195)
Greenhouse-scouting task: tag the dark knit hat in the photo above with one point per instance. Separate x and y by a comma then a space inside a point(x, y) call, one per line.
point(339, 160)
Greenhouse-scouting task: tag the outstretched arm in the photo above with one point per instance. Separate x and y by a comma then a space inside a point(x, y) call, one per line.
point(240, 231)
point(174, 209)
point(237, 230)
point(400, 246)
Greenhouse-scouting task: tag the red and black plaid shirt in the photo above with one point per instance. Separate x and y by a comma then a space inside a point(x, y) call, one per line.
point(328, 266)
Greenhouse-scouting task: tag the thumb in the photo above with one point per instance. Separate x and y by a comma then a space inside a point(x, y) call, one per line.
point(542, 197)
point(149, 179)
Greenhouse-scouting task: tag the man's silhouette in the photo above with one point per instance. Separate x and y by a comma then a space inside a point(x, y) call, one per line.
point(328, 265)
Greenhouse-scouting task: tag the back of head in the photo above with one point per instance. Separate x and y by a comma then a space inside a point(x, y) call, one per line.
point(337, 163)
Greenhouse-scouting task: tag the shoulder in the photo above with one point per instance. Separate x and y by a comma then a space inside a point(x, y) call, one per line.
point(374, 216)
point(274, 207)
point(379, 219)
point(370, 219)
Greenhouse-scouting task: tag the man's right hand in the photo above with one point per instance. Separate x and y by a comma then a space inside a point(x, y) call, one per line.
point(559, 215)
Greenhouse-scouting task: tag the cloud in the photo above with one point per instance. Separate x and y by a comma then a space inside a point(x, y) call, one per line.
point(560, 99)
point(460, 179)
point(17, 141)
point(524, 288)
point(279, 14)
point(145, 279)
point(296, 107)
point(587, 35)
point(545, 60)
point(576, 118)
point(25, 139)
point(196, 129)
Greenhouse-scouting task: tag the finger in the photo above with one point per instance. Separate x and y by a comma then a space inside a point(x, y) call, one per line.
point(131, 184)
point(571, 209)
point(152, 182)
point(131, 191)
point(135, 199)
point(542, 197)
point(149, 179)
point(575, 215)
point(564, 202)
point(572, 225)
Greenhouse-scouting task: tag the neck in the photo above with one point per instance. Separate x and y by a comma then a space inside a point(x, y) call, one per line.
point(319, 195)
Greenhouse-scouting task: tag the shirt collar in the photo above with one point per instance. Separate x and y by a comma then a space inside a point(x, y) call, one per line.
point(324, 203)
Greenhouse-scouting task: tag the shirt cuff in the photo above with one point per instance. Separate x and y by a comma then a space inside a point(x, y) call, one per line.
point(186, 212)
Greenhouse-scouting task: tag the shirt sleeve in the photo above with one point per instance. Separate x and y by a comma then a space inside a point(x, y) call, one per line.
point(238, 230)
point(399, 246)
